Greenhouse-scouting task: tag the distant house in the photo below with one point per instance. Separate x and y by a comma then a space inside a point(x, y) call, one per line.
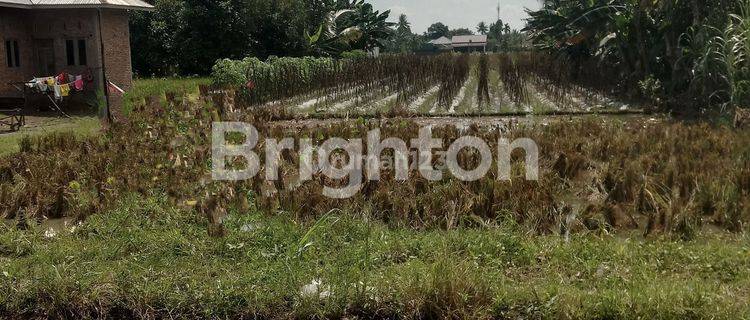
point(461, 43)
point(476, 43)
point(47, 37)
point(442, 43)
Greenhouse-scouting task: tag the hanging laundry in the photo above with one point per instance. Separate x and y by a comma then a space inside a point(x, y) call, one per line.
point(51, 81)
point(42, 86)
point(64, 90)
point(78, 83)
point(62, 78)
point(58, 92)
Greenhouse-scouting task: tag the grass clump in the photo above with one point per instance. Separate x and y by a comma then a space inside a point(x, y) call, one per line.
point(158, 87)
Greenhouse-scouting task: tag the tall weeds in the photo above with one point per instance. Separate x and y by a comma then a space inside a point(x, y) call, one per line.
point(721, 60)
point(660, 178)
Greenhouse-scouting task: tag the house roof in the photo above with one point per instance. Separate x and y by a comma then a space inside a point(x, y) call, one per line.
point(77, 4)
point(441, 41)
point(479, 40)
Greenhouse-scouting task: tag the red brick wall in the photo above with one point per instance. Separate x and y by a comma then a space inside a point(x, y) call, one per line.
point(60, 25)
point(116, 35)
point(70, 24)
point(13, 26)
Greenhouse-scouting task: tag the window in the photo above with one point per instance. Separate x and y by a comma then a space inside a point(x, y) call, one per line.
point(76, 52)
point(70, 52)
point(12, 54)
point(82, 59)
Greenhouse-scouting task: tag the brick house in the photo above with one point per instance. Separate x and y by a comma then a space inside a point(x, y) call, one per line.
point(47, 37)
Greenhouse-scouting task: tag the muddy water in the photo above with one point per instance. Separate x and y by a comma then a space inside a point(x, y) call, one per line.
point(50, 226)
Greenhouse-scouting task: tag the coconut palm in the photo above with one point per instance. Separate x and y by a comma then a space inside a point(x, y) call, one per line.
point(403, 26)
point(482, 28)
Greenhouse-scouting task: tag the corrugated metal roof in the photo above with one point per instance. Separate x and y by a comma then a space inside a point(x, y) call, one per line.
point(15, 2)
point(480, 39)
point(65, 4)
point(469, 39)
point(441, 41)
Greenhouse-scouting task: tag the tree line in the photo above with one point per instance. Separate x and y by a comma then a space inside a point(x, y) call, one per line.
point(500, 36)
point(186, 37)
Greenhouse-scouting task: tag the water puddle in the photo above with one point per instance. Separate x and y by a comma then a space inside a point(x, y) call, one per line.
point(51, 227)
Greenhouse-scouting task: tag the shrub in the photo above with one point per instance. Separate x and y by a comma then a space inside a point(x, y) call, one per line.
point(354, 54)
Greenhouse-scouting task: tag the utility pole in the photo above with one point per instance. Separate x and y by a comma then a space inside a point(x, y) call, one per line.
point(498, 11)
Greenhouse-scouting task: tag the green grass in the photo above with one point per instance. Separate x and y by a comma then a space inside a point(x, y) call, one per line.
point(80, 125)
point(143, 88)
point(144, 259)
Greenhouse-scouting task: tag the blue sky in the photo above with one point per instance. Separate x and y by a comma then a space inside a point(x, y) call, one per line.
point(457, 13)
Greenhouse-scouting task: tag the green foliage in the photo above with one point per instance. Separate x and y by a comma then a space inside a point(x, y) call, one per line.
point(274, 78)
point(354, 54)
point(187, 37)
point(158, 87)
point(482, 28)
point(350, 26)
point(437, 30)
point(460, 32)
point(651, 88)
point(672, 41)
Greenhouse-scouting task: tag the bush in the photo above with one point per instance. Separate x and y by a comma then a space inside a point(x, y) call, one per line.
point(354, 54)
point(273, 79)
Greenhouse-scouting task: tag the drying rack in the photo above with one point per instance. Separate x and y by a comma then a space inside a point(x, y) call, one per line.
point(13, 118)
point(24, 88)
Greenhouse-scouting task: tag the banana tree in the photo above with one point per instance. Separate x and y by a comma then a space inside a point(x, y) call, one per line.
point(356, 26)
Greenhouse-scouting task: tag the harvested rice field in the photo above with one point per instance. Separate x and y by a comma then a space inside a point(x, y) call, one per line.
point(632, 213)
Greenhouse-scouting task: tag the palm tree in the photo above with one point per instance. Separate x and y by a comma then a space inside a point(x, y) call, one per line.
point(403, 26)
point(482, 28)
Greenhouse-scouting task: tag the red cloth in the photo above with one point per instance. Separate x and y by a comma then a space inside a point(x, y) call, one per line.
point(78, 84)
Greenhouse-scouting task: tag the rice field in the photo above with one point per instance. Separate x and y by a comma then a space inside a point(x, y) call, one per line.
point(448, 85)
point(633, 216)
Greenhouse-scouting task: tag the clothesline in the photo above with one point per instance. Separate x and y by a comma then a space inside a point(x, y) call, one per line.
point(61, 85)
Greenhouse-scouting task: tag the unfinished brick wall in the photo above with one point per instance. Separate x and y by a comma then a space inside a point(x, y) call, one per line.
point(116, 35)
point(69, 24)
point(14, 26)
point(58, 25)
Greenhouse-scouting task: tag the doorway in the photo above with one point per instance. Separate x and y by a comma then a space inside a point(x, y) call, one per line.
point(45, 53)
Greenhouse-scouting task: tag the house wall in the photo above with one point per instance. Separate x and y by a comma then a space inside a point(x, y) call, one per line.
point(116, 35)
point(14, 26)
point(62, 25)
point(59, 25)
